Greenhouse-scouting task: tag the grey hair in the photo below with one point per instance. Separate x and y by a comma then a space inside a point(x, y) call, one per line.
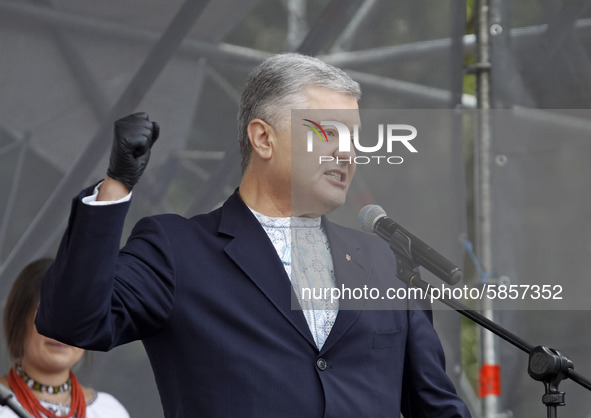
point(278, 85)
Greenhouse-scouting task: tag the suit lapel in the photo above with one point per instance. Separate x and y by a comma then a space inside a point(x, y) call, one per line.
point(254, 253)
point(352, 271)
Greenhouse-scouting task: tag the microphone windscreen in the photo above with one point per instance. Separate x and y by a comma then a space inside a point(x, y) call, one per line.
point(368, 216)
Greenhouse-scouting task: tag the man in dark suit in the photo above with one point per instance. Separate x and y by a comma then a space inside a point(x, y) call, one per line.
point(216, 299)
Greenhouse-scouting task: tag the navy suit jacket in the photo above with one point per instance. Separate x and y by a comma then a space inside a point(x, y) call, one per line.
point(211, 301)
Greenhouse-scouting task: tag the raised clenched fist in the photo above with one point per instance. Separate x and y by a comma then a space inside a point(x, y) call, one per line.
point(133, 138)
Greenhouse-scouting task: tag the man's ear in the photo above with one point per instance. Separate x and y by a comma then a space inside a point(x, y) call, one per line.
point(261, 136)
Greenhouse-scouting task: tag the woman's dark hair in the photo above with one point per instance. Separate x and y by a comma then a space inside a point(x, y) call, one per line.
point(21, 304)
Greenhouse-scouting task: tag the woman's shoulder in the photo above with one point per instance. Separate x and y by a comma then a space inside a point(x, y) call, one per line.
point(105, 405)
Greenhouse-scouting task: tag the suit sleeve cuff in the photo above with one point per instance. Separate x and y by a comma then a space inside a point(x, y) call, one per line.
point(91, 200)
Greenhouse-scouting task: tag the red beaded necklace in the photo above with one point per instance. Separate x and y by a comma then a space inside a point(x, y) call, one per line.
point(31, 403)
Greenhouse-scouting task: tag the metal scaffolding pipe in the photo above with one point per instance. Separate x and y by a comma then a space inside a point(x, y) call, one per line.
point(433, 95)
point(224, 52)
point(296, 23)
point(52, 211)
point(344, 40)
point(520, 38)
point(80, 71)
point(10, 201)
point(220, 52)
point(328, 25)
point(483, 190)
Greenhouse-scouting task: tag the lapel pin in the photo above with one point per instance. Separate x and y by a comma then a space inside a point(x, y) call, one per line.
point(347, 257)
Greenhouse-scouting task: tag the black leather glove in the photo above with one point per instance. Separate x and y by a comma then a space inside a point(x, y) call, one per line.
point(133, 138)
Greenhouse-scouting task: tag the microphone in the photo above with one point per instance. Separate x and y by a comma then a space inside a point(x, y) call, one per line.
point(373, 219)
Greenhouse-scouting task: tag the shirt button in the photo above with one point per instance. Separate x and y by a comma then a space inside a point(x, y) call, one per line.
point(321, 364)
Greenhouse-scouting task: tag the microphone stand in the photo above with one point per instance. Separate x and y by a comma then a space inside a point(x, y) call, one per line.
point(6, 399)
point(545, 365)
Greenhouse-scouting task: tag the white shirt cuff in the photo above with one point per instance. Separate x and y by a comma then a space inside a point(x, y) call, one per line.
point(91, 200)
